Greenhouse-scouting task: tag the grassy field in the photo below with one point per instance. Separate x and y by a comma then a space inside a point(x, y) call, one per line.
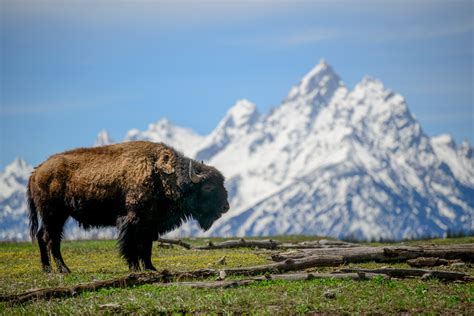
point(98, 260)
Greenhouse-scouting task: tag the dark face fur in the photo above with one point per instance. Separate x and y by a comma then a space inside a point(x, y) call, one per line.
point(210, 197)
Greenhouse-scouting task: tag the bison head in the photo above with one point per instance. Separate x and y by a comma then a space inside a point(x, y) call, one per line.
point(209, 196)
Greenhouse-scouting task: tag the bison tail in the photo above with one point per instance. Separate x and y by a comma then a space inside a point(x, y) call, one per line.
point(33, 215)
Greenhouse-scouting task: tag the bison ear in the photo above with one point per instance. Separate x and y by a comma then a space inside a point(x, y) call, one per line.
point(166, 161)
point(195, 178)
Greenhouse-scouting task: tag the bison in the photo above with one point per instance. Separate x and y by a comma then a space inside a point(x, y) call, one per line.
point(145, 189)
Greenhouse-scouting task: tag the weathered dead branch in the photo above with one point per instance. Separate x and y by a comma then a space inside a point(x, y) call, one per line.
point(464, 252)
point(165, 276)
point(46, 293)
point(286, 277)
point(431, 262)
point(287, 265)
point(272, 269)
point(323, 243)
point(404, 273)
point(168, 279)
point(178, 242)
point(261, 244)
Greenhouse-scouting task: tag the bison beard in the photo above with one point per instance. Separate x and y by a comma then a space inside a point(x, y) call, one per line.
point(145, 189)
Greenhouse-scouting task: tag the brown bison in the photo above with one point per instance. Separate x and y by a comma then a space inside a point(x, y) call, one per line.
point(144, 188)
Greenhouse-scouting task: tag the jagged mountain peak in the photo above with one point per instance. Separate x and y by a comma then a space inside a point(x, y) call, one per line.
point(14, 177)
point(238, 121)
point(444, 139)
point(103, 138)
point(465, 149)
point(242, 113)
point(163, 130)
point(371, 87)
point(322, 80)
point(18, 167)
point(162, 123)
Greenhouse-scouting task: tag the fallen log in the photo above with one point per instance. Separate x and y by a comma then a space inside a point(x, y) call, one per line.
point(285, 277)
point(127, 281)
point(262, 244)
point(178, 242)
point(287, 265)
point(165, 276)
point(404, 273)
point(463, 252)
point(431, 262)
point(322, 243)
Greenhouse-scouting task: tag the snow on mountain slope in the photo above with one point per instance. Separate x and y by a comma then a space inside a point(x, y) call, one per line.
point(341, 163)
point(103, 138)
point(327, 161)
point(13, 219)
point(459, 159)
point(238, 122)
point(183, 139)
point(370, 173)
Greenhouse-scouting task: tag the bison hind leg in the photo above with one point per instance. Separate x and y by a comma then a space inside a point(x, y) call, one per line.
point(53, 235)
point(44, 254)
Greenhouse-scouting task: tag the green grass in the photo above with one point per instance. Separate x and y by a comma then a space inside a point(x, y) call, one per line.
point(93, 260)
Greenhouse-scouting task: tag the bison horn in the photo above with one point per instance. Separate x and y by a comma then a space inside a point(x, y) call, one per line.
point(195, 178)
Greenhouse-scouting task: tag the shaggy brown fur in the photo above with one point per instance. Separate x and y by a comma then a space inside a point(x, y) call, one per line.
point(143, 188)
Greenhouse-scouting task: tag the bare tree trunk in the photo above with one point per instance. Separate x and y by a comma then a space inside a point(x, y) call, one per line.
point(261, 244)
point(285, 277)
point(432, 262)
point(464, 252)
point(287, 265)
point(403, 273)
point(178, 242)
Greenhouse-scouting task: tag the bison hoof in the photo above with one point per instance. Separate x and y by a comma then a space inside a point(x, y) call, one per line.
point(47, 269)
point(150, 268)
point(64, 270)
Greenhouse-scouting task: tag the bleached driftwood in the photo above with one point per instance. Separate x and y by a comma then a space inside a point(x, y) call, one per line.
point(464, 252)
point(178, 242)
point(431, 262)
point(165, 276)
point(285, 277)
point(261, 244)
point(271, 271)
point(424, 273)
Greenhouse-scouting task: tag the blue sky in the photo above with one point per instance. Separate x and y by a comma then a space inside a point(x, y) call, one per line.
point(70, 68)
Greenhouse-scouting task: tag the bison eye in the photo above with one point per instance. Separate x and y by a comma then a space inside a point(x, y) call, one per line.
point(207, 187)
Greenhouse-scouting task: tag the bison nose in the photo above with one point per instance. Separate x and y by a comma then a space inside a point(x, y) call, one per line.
point(225, 208)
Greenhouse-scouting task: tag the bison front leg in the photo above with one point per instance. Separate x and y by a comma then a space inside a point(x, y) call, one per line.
point(128, 243)
point(145, 249)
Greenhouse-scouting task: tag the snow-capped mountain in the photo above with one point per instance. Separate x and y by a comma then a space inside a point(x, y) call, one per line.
point(361, 168)
point(103, 138)
point(183, 139)
point(327, 161)
point(459, 159)
point(13, 219)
